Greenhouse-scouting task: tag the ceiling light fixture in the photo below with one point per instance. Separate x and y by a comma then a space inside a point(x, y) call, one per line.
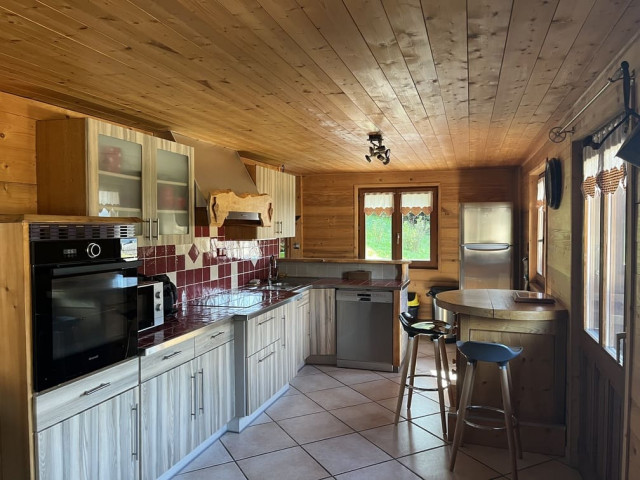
point(377, 149)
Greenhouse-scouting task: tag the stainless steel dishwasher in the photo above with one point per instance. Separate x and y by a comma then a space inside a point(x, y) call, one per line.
point(364, 324)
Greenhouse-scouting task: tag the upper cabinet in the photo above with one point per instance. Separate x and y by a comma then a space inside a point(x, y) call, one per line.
point(88, 167)
point(282, 189)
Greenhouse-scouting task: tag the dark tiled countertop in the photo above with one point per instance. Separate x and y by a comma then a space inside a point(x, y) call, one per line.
point(197, 314)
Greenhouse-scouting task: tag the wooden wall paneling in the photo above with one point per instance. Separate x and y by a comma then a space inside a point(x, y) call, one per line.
point(608, 24)
point(444, 19)
point(565, 26)
point(372, 22)
point(16, 440)
point(487, 24)
point(527, 31)
point(411, 34)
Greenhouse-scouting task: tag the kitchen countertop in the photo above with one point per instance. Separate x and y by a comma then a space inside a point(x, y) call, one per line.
point(199, 313)
point(498, 304)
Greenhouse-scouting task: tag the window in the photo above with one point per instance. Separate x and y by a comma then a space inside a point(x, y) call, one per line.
point(399, 224)
point(604, 230)
point(540, 233)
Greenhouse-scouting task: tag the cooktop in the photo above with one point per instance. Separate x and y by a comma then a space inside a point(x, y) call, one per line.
point(235, 299)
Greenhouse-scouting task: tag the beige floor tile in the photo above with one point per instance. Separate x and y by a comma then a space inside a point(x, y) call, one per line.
point(228, 471)
point(216, 454)
point(402, 439)
point(431, 423)
point(265, 438)
point(378, 389)
point(263, 418)
point(351, 376)
point(434, 465)
point(291, 391)
point(313, 383)
point(499, 459)
point(365, 416)
point(311, 428)
point(553, 470)
point(342, 454)
point(392, 470)
point(337, 398)
point(293, 406)
point(308, 370)
point(420, 406)
point(327, 368)
point(290, 464)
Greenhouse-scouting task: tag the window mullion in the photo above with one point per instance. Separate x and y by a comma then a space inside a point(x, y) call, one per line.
point(601, 287)
point(397, 226)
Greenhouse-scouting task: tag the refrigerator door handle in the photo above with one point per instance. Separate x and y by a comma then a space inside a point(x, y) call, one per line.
point(484, 247)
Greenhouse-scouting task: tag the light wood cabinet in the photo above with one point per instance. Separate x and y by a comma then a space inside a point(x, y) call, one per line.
point(100, 443)
point(184, 405)
point(88, 167)
point(168, 414)
point(323, 322)
point(282, 189)
point(296, 335)
point(265, 375)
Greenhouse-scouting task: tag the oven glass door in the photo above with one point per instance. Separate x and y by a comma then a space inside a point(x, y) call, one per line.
point(85, 319)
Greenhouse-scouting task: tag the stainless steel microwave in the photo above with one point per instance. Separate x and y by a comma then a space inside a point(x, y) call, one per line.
point(150, 305)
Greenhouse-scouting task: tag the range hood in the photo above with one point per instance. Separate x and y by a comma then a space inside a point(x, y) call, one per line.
point(224, 188)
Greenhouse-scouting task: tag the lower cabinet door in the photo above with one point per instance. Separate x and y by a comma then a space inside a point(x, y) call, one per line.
point(168, 414)
point(216, 390)
point(101, 443)
point(265, 375)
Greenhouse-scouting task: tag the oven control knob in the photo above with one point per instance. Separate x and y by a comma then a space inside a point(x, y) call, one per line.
point(158, 307)
point(158, 294)
point(93, 250)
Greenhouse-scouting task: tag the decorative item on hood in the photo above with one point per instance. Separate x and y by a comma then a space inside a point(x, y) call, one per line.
point(223, 202)
point(379, 151)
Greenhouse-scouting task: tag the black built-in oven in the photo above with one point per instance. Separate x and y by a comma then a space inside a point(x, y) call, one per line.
point(84, 306)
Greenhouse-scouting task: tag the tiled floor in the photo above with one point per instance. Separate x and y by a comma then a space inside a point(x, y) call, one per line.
point(338, 423)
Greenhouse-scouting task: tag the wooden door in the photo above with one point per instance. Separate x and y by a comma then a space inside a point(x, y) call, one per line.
point(168, 414)
point(323, 322)
point(304, 317)
point(264, 375)
point(215, 389)
point(266, 183)
point(98, 444)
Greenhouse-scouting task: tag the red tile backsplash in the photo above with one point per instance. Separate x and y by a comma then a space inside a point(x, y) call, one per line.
point(195, 282)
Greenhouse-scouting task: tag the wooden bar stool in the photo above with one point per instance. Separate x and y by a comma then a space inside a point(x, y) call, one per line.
point(501, 355)
point(414, 331)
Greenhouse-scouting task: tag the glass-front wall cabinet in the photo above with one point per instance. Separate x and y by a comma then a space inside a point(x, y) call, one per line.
point(119, 178)
point(172, 182)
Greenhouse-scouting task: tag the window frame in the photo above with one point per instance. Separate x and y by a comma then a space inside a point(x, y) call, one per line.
point(396, 222)
point(539, 280)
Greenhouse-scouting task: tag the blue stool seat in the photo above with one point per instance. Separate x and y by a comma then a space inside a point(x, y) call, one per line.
point(500, 355)
point(488, 352)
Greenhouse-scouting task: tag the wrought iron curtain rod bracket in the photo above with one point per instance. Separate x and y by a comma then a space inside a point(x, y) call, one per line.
point(558, 134)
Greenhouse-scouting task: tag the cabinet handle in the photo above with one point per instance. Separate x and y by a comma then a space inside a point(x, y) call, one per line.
point(201, 373)
point(267, 320)
point(171, 355)
point(264, 358)
point(193, 396)
point(136, 428)
point(284, 329)
point(96, 389)
point(156, 222)
point(216, 335)
point(148, 234)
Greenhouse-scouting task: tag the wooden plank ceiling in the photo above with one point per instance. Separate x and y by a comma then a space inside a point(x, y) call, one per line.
point(449, 83)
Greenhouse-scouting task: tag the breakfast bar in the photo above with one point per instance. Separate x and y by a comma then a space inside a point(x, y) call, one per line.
point(539, 374)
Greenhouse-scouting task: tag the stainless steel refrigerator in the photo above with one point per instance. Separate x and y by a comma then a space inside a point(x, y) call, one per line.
point(486, 245)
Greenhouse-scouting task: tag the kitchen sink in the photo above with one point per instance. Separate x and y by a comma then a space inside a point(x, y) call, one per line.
point(272, 287)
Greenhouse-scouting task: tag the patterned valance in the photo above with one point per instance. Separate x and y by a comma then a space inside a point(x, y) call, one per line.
point(382, 203)
point(603, 171)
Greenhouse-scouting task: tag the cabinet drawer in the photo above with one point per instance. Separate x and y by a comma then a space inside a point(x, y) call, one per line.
point(64, 402)
point(265, 375)
point(166, 359)
point(214, 336)
point(264, 330)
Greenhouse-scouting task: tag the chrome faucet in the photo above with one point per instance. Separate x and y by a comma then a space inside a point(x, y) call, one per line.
point(273, 269)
